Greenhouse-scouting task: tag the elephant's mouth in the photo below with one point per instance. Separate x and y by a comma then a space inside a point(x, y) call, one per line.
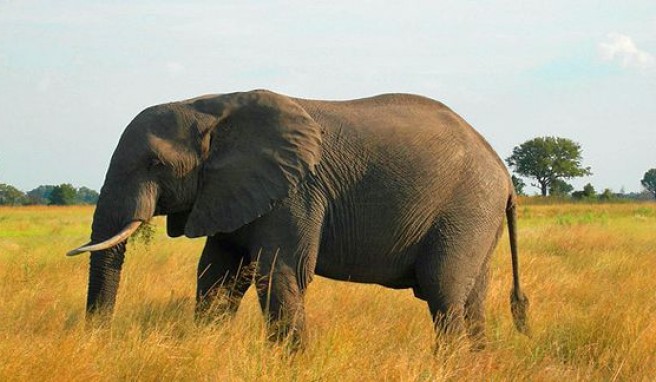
point(109, 243)
point(163, 207)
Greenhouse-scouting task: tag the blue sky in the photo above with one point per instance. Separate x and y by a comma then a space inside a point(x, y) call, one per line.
point(74, 73)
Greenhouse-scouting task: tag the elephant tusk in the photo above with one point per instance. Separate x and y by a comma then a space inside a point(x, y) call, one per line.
point(109, 243)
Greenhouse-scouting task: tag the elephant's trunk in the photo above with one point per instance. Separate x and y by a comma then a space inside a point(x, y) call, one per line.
point(104, 277)
point(115, 219)
point(104, 268)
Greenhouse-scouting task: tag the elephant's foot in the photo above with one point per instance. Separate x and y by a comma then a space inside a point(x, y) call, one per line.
point(451, 334)
point(285, 319)
point(291, 335)
point(478, 341)
point(475, 322)
point(208, 313)
point(220, 305)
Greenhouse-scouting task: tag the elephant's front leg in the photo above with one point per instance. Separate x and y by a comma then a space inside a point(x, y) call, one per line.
point(224, 276)
point(281, 292)
point(284, 245)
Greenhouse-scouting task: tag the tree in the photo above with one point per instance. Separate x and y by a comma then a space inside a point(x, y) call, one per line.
point(649, 181)
point(519, 185)
point(607, 195)
point(559, 187)
point(548, 159)
point(40, 195)
point(11, 196)
point(63, 195)
point(587, 193)
point(86, 196)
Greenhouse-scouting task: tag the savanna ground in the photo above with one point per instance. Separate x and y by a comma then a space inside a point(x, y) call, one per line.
point(589, 270)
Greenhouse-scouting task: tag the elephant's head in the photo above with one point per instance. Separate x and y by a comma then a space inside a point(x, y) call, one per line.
point(211, 164)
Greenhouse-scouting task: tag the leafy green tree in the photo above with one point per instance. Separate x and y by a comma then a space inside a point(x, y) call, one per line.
point(588, 192)
point(559, 187)
point(519, 185)
point(607, 195)
point(40, 195)
point(11, 196)
point(63, 195)
point(86, 196)
point(547, 159)
point(649, 181)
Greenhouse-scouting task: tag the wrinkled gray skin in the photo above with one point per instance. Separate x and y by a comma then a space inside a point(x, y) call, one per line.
point(395, 190)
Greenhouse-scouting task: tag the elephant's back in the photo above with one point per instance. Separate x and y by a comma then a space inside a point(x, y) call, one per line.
point(404, 115)
point(403, 99)
point(404, 120)
point(407, 132)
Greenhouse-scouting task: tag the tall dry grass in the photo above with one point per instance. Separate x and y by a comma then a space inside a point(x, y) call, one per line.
point(590, 271)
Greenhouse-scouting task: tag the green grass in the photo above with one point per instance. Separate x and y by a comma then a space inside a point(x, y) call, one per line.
point(589, 270)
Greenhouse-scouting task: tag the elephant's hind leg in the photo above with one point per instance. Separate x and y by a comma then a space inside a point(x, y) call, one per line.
point(475, 304)
point(444, 294)
point(449, 277)
point(475, 309)
point(224, 275)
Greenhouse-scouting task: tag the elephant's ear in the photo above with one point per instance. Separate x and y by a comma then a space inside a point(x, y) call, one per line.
point(261, 149)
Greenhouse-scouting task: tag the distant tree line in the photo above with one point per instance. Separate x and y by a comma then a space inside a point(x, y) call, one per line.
point(61, 195)
point(552, 160)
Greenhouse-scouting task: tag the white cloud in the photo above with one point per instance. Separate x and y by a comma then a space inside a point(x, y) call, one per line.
point(621, 49)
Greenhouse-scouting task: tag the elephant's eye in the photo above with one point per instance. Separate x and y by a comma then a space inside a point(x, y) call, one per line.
point(154, 163)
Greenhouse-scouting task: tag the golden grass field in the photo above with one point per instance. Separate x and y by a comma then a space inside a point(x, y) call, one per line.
point(589, 270)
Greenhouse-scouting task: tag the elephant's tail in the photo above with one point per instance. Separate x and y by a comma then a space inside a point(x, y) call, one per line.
point(518, 300)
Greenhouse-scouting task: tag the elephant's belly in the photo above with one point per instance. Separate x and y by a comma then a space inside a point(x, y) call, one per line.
point(374, 233)
point(368, 250)
point(394, 271)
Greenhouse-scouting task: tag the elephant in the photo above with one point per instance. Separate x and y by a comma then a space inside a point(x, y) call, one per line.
point(395, 190)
